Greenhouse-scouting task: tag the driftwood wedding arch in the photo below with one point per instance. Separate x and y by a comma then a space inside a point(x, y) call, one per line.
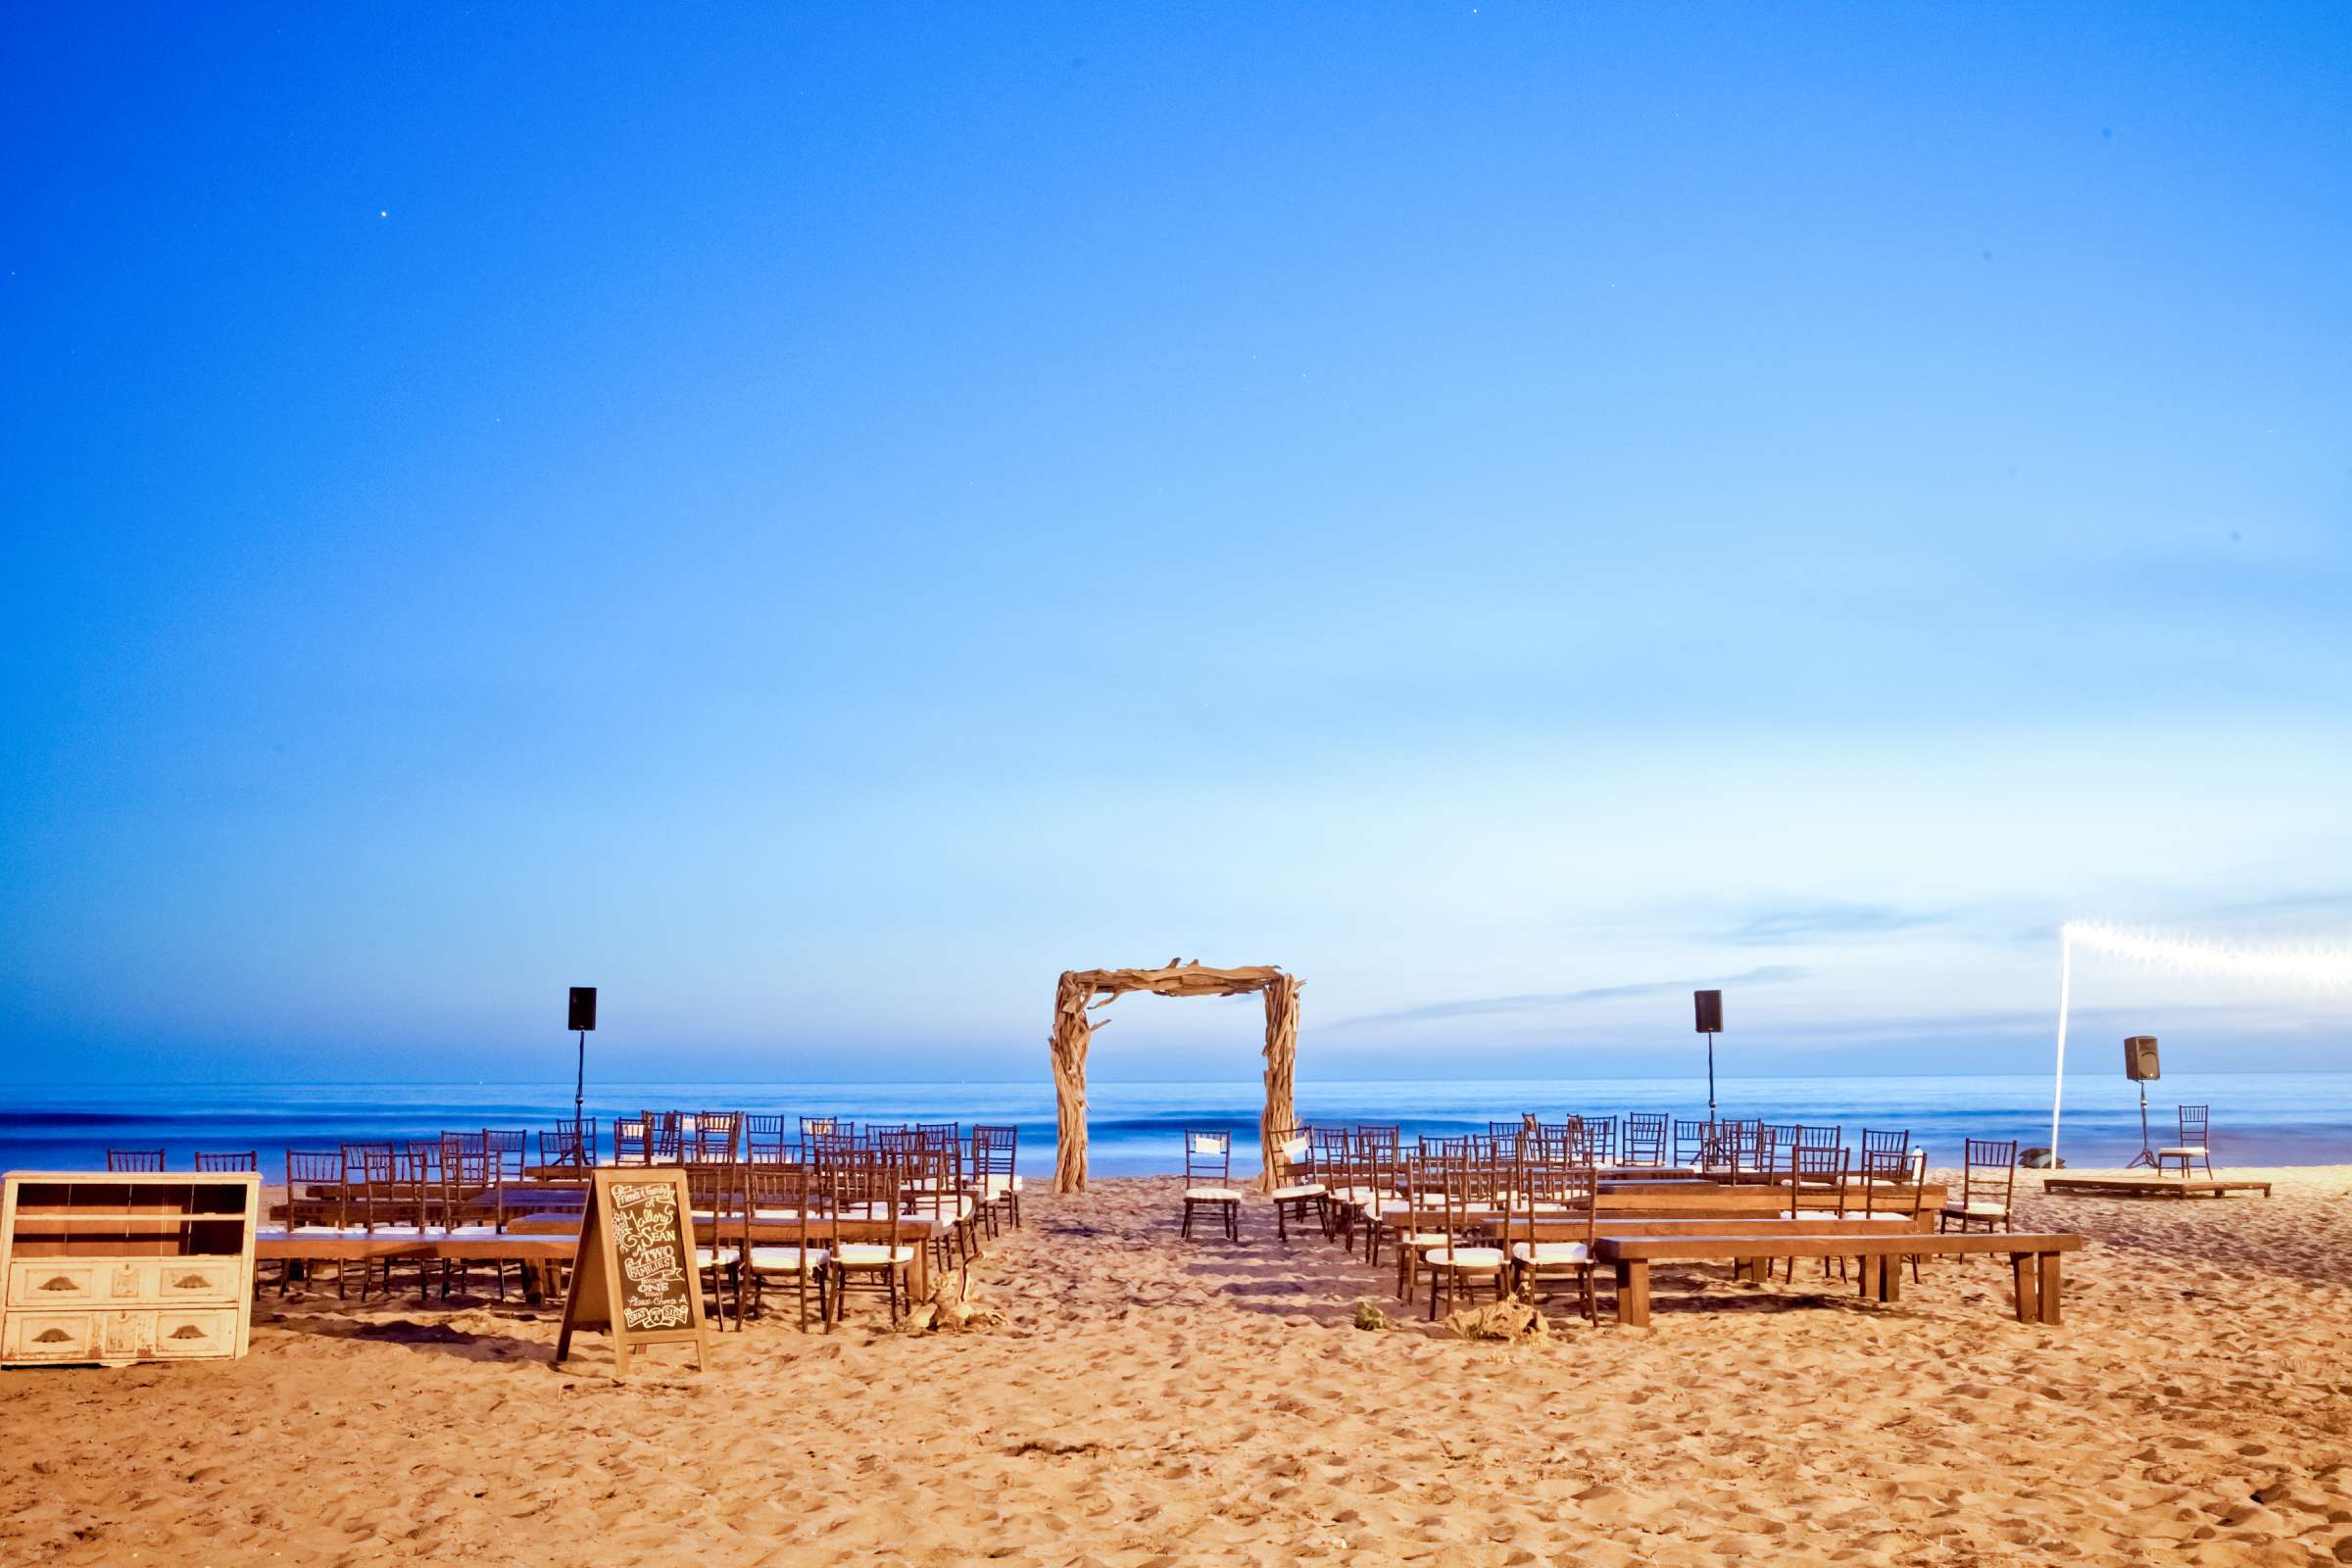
point(1073, 1031)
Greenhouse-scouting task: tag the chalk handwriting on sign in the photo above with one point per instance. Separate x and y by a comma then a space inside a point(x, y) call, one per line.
point(647, 1237)
point(632, 1269)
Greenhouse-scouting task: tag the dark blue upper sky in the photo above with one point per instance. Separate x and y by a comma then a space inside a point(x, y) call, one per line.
point(816, 521)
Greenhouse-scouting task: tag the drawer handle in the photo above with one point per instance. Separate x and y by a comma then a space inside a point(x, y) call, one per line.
point(189, 1330)
point(51, 1336)
point(62, 1282)
point(192, 1281)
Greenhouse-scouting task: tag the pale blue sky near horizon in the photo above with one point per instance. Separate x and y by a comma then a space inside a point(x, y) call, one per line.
point(817, 522)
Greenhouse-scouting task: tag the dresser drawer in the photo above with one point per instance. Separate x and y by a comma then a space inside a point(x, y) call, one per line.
point(193, 1280)
point(182, 1333)
point(56, 1281)
point(47, 1336)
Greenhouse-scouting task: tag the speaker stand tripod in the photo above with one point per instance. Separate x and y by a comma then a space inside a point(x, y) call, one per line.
point(579, 1088)
point(2148, 1154)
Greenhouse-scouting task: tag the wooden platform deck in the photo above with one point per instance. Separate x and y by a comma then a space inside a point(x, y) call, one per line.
point(2146, 1187)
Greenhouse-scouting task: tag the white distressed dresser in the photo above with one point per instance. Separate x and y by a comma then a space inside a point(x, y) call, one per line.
point(119, 1267)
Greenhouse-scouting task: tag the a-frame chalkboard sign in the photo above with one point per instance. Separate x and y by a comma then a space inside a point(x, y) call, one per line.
point(634, 1272)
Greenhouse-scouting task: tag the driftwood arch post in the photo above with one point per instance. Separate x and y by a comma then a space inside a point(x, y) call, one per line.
point(1073, 1031)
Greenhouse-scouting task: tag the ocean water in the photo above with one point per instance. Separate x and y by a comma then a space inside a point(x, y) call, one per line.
point(1137, 1128)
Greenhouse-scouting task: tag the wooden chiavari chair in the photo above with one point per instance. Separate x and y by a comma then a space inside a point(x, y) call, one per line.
point(826, 1132)
point(1334, 1158)
point(714, 1135)
point(1743, 1149)
point(1694, 1141)
point(632, 1141)
point(996, 1170)
point(1987, 1186)
point(1380, 1209)
point(1208, 1180)
point(2195, 1144)
point(317, 1201)
point(866, 1182)
point(134, 1159)
point(763, 1139)
point(1417, 1218)
point(1298, 1187)
point(505, 1146)
point(1646, 1138)
point(241, 1159)
point(933, 1190)
point(471, 1175)
point(715, 1195)
point(1892, 1186)
point(1818, 1184)
point(1886, 1143)
point(1600, 1139)
point(664, 1131)
point(1547, 1194)
point(773, 1191)
point(568, 1145)
point(1452, 1262)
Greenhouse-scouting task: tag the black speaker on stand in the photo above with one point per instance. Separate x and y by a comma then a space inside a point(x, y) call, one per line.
point(582, 1019)
point(2140, 1066)
point(1708, 1004)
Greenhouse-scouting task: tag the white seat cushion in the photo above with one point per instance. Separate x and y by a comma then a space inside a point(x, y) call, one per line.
point(2184, 1152)
point(1551, 1252)
point(998, 1185)
point(1424, 1239)
point(788, 1258)
point(1876, 1215)
point(1463, 1257)
point(1307, 1190)
point(873, 1254)
point(1213, 1194)
point(1976, 1210)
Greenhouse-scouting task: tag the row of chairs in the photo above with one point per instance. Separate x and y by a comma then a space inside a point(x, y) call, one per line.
point(1463, 1209)
point(151, 1160)
point(875, 1185)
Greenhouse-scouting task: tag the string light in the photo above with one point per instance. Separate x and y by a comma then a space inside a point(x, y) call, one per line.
point(2311, 963)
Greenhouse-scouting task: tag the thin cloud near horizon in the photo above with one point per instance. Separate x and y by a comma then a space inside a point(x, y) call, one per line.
point(1474, 1007)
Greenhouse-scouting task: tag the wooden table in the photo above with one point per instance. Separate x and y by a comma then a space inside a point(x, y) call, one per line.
point(2032, 1257)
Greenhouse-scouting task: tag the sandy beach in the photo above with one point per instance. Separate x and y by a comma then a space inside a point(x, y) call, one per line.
point(1152, 1401)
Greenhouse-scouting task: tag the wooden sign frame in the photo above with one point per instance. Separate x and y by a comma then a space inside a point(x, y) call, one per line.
point(599, 1296)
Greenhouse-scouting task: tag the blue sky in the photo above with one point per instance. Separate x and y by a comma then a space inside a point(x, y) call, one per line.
point(816, 521)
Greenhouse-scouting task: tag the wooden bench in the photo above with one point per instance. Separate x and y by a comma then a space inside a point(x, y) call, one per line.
point(2033, 1260)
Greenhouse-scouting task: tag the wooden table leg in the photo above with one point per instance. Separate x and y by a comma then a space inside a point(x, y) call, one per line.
point(1891, 1277)
point(2027, 1280)
point(2050, 1286)
point(1867, 1268)
point(1632, 1292)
